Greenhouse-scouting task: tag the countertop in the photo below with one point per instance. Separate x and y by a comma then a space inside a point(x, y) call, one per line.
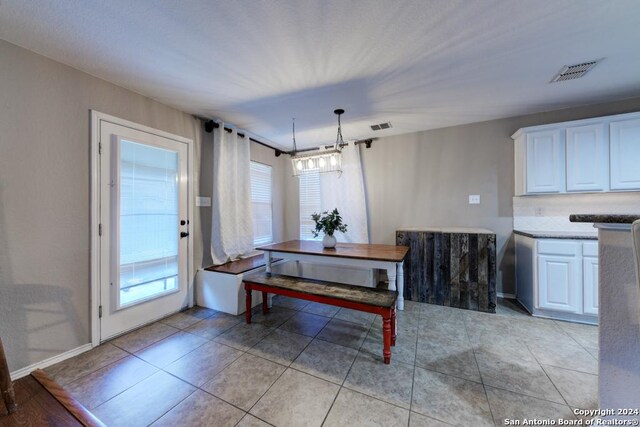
point(604, 218)
point(578, 235)
point(454, 230)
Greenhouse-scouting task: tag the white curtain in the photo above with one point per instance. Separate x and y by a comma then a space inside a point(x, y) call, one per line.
point(231, 216)
point(346, 193)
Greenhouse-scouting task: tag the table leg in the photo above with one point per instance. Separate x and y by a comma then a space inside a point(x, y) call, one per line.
point(265, 307)
point(400, 285)
point(249, 300)
point(267, 269)
point(393, 326)
point(393, 285)
point(386, 337)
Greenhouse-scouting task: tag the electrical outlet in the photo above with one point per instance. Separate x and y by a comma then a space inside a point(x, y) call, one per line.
point(203, 201)
point(539, 212)
point(474, 199)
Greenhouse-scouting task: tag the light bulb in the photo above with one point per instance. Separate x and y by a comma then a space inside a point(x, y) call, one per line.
point(334, 161)
point(299, 165)
point(321, 162)
point(310, 163)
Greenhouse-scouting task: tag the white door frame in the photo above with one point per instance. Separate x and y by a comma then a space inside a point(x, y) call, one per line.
point(96, 118)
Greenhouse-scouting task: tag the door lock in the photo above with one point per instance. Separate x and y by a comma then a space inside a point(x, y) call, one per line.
point(183, 234)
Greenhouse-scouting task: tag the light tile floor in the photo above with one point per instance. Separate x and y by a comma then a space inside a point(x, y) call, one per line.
point(311, 365)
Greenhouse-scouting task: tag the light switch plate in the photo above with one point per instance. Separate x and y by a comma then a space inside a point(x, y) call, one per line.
point(474, 199)
point(203, 201)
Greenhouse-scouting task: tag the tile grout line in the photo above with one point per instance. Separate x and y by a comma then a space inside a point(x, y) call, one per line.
point(415, 360)
point(174, 406)
point(523, 342)
point(575, 340)
point(360, 352)
point(158, 369)
point(347, 375)
point(547, 375)
point(484, 388)
point(289, 367)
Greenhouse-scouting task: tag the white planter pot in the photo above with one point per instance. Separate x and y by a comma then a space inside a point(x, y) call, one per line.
point(329, 242)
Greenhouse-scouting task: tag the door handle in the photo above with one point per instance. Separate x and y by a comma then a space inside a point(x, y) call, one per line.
point(183, 234)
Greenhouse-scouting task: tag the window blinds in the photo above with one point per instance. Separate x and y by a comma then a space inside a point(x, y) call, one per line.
point(309, 204)
point(262, 203)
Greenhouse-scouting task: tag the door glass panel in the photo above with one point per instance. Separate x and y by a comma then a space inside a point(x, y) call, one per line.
point(148, 222)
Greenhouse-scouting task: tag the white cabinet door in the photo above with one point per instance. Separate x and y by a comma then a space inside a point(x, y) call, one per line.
point(625, 154)
point(587, 158)
point(590, 283)
point(559, 283)
point(545, 162)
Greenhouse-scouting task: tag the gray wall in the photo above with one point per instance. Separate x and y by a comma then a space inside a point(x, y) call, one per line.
point(425, 178)
point(44, 197)
point(45, 189)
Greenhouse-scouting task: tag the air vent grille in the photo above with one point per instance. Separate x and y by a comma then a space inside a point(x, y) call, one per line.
point(381, 126)
point(570, 72)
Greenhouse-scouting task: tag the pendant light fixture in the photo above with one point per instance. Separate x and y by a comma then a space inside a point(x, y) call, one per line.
point(325, 161)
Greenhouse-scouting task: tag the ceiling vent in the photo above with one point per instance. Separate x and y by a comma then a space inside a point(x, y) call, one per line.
point(381, 126)
point(570, 72)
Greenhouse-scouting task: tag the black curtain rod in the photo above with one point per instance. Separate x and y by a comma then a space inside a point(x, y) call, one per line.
point(210, 125)
point(367, 143)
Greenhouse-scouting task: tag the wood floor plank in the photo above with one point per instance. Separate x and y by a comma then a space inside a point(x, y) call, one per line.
point(69, 403)
point(36, 407)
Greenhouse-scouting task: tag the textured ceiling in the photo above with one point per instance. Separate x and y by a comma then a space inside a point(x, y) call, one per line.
point(420, 64)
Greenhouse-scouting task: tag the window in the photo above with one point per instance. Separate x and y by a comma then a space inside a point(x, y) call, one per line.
point(309, 204)
point(261, 203)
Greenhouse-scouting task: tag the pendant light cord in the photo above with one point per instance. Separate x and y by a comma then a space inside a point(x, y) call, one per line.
point(295, 148)
point(339, 140)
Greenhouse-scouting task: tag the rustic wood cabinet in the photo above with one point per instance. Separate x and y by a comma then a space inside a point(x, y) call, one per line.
point(454, 267)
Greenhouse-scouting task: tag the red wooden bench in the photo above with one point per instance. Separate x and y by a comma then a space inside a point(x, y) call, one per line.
point(370, 300)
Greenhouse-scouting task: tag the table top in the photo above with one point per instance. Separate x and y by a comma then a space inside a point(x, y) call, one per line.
point(389, 253)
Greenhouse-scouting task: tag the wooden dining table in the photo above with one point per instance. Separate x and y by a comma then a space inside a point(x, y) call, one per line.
point(367, 256)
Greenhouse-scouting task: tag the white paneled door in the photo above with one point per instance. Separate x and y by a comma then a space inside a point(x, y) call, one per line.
point(144, 227)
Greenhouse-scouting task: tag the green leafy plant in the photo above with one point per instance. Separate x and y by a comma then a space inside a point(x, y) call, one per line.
point(328, 223)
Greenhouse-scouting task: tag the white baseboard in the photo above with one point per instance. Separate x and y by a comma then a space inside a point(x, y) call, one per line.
point(503, 295)
point(50, 361)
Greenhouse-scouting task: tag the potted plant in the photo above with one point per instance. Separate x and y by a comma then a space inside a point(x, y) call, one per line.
point(328, 223)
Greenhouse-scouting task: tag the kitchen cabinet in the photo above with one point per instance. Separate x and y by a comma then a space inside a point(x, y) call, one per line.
point(558, 275)
point(558, 278)
point(545, 162)
point(591, 155)
point(587, 158)
point(625, 154)
point(590, 278)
